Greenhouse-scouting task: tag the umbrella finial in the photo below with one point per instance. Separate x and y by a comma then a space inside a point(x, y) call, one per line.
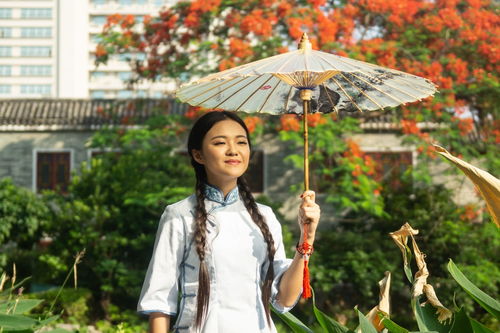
point(304, 43)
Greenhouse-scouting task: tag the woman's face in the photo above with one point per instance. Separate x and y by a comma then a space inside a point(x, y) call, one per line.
point(225, 153)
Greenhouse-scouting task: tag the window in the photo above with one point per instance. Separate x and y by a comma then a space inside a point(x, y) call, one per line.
point(36, 13)
point(390, 166)
point(98, 2)
point(97, 94)
point(5, 13)
point(5, 70)
point(125, 2)
point(97, 75)
point(158, 94)
point(36, 51)
point(255, 172)
point(142, 94)
point(36, 32)
point(130, 56)
point(5, 89)
point(94, 38)
point(36, 89)
point(36, 70)
point(5, 51)
point(52, 171)
point(125, 76)
point(98, 20)
point(5, 32)
point(124, 94)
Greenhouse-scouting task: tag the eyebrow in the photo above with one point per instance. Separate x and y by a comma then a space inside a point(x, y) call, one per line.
point(225, 137)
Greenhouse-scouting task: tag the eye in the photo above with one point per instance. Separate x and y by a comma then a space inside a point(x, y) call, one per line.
point(218, 143)
point(242, 142)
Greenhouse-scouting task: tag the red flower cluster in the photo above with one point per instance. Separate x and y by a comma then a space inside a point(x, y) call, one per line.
point(290, 122)
point(240, 48)
point(252, 123)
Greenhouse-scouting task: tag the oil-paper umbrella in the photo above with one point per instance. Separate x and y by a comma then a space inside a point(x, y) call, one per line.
point(321, 82)
point(306, 81)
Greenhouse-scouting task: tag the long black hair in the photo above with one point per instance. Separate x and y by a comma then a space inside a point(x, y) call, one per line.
point(195, 140)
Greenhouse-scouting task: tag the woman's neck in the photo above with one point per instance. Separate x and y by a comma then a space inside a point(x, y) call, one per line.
point(224, 186)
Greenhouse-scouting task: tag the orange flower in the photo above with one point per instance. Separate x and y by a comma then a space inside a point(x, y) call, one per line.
point(239, 48)
point(357, 171)
point(192, 20)
point(100, 50)
point(290, 122)
point(252, 123)
point(315, 119)
point(465, 125)
point(226, 64)
point(353, 149)
point(409, 126)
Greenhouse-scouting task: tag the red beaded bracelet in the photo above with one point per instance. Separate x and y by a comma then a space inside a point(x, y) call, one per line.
point(304, 249)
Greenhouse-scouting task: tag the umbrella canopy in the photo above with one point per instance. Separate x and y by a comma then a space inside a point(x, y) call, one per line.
point(273, 85)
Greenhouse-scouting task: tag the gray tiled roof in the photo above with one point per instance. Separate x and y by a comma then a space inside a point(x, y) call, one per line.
point(86, 114)
point(79, 114)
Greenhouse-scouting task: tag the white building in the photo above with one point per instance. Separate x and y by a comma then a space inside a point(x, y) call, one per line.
point(47, 49)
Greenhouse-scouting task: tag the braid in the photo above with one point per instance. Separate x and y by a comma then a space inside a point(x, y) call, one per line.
point(259, 220)
point(200, 236)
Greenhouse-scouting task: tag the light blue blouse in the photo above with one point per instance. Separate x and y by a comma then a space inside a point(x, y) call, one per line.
point(237, 263)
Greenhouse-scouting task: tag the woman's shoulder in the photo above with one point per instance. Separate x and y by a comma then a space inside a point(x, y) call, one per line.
point(269, 216)
point(182, 207)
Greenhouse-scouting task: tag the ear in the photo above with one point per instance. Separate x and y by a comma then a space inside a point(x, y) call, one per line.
point(198, 156)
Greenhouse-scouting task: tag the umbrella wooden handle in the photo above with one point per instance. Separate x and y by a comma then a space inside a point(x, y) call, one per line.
point(306, 145)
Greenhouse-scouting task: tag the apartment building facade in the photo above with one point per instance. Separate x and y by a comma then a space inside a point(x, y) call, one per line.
point(47, 49)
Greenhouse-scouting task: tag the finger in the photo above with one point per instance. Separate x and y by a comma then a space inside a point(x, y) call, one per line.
point(308, 197)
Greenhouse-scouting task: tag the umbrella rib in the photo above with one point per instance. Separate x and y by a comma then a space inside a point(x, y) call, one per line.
point(205, 91)
point(383, 92)
point(332, 64)
point(284, 64)
point(254, 92)
point(362, 92)
point(217, 106)
point(348, 96)
point(329, 98)
point(270, 94)
point(288, 98)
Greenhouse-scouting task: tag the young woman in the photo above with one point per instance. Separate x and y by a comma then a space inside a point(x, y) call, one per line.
point(218, 261)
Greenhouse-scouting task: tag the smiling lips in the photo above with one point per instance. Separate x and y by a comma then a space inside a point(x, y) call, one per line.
point(232, 162)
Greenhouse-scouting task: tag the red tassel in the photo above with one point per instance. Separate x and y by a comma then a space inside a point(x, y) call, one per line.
point(306, 287)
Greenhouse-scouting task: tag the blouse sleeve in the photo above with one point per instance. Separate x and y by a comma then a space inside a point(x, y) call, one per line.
point(160, 289)
point(281, 263)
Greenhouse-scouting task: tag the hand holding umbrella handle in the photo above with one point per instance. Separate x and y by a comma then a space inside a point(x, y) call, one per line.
point(309, 214)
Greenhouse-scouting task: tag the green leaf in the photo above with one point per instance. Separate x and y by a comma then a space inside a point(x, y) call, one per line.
point(49, 320)
point(16, 322)
point(487, 302)
point(427, 319)
point(58, 330)
point(477, 327)
point(392, 327)
point(328, 324)
point(23, 305)
point(364, 323)
point(461, 323)
point(293, 322)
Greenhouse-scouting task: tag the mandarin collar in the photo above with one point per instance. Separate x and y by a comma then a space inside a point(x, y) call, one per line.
point(215, 194)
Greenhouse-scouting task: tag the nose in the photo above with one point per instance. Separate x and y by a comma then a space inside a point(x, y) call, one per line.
point(231, 149)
